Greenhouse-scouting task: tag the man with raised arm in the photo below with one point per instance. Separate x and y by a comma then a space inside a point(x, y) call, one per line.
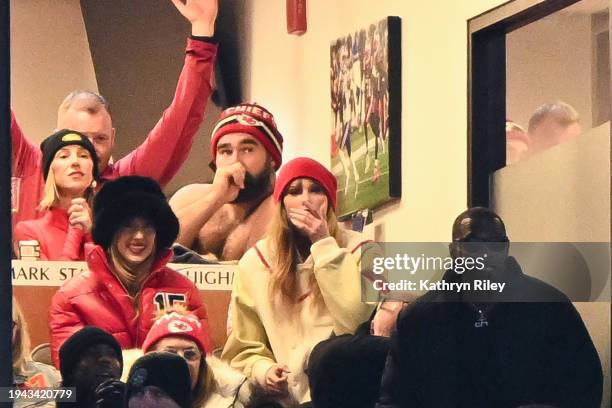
point(165, 148)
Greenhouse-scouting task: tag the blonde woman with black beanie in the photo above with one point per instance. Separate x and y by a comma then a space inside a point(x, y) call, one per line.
point(70, 168)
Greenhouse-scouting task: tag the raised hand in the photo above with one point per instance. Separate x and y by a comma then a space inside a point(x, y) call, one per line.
point(200, 13)
point(228, 181)
point(79, 214)
point(310, 221)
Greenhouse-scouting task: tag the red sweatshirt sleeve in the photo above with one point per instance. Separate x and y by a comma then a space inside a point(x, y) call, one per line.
point(167, 146)
point(26, 157)
point(73, 246)
point(23, 232)
point(25, 154)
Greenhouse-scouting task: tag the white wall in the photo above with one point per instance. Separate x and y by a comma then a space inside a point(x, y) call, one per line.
point(49, 58)
point(291, 75)
point(550, 60)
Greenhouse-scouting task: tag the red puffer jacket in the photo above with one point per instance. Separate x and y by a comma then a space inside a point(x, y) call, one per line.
point(57, 240)
point(97, 298)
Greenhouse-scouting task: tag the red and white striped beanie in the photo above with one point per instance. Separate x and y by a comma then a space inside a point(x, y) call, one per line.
point(254, 120)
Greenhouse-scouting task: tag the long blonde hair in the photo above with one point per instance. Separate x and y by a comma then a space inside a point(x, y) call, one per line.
point(283, 239)
point(131, 278)
point(21, 345)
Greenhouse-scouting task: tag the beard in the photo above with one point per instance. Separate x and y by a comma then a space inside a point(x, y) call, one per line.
point(255, 186)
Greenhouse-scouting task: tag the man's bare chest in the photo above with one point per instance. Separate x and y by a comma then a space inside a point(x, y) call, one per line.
point(229, 233)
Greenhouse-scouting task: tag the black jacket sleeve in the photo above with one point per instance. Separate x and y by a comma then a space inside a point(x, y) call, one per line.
point(577, 379)
point(398, 389)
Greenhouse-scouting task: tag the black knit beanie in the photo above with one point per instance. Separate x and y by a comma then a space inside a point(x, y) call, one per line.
point(166, 371)
point(62, 138)
point(72, 350)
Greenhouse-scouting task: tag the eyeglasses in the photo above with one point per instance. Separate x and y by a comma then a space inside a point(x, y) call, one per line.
point(187, 354)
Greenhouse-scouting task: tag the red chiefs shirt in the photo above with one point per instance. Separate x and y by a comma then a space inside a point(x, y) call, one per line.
point(97, 298)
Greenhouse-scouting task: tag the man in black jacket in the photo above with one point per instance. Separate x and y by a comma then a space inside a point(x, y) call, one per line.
point(471, 349)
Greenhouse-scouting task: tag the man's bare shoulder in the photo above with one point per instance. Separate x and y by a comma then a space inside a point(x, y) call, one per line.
point(188, 194)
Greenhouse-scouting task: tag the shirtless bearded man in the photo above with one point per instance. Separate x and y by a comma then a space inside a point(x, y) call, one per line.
point(227, 217)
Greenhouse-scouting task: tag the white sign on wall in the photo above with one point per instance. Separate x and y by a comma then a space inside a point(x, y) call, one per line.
point(54, 273)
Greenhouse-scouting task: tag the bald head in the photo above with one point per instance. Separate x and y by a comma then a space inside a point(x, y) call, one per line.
point(83, 100)
point(87, 112)
point(479, 224)
point(553, 123)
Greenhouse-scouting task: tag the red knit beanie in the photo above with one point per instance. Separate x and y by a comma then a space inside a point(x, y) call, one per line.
point(175, 324)
point(309, 168)
point(253, 119)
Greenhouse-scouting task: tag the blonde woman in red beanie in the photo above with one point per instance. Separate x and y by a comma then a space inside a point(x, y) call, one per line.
point(296, 287)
